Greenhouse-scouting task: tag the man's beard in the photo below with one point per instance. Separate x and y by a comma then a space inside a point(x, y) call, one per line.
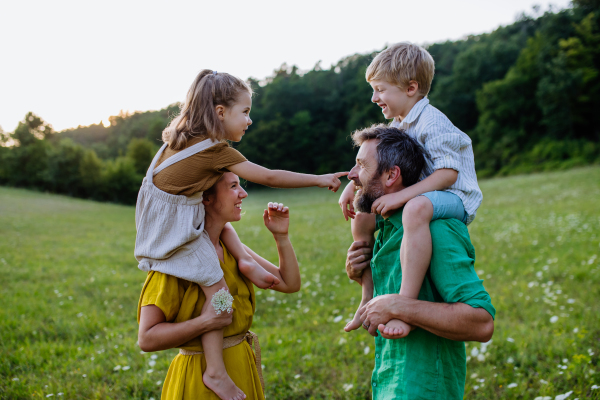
point(366, 196)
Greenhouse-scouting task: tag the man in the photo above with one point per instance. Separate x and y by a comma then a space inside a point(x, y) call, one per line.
point(452, 306)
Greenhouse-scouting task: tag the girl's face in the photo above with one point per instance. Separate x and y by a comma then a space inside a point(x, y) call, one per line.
point(226, 202)
point(236, 119)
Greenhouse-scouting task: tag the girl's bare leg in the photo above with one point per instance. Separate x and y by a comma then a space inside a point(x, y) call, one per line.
point(215, 377)
point(415, 256)
point(246, 264)
point(363, 229)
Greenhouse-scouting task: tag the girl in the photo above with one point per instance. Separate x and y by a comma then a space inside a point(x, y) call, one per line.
point(170, 214)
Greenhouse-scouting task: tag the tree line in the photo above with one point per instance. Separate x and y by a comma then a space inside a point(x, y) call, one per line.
point(528, 95)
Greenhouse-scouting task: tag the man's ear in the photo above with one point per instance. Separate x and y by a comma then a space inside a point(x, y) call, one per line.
point(220, 110)
point(394, 176)
point(412, 88)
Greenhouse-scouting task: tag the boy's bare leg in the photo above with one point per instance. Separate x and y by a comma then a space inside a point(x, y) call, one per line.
point(363, 229)
point(246, 264)
point(415, 256)
point(215, 377)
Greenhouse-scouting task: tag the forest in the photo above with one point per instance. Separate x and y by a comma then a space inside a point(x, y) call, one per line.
point(528, 95)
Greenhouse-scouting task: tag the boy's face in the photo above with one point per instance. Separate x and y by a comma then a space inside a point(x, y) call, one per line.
point(394, 101)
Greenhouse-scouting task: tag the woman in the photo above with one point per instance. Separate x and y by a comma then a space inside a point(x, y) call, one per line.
point(171, 311)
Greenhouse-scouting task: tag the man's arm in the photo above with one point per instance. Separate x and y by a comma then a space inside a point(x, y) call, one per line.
point(456, 321)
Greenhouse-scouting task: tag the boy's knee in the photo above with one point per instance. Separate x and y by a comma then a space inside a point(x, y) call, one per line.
point(417, 211)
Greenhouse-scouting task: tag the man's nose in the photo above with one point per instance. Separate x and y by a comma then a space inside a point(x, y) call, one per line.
point(353, 173)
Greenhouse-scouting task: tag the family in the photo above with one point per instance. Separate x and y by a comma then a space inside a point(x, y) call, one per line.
point(414, 182)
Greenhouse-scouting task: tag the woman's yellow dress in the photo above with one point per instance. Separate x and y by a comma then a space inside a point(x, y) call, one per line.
point(182, 300)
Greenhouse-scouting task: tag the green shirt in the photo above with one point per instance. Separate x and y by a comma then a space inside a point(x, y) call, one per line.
point(423, 365)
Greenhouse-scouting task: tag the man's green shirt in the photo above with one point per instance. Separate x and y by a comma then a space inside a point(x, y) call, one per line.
point(423, 365)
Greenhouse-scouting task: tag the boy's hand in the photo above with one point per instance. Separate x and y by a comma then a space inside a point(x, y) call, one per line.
point(347, 201)
point(387, 203)
point(277, 218)
point(332, 181)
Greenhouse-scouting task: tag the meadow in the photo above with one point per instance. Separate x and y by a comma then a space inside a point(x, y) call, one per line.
point(70, 288)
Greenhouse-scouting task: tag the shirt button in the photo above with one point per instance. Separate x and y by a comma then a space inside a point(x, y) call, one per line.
point(377, 356)
point(374, 384)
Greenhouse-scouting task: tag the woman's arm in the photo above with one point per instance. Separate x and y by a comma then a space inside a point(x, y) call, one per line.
point(156, 334)
point(284, 179)
point(277, 219)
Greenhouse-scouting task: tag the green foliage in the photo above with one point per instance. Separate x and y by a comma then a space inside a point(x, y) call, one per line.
point(141, 151)
point(71, 288)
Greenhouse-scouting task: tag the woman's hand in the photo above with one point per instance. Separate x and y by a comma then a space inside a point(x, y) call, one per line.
point(277, 219)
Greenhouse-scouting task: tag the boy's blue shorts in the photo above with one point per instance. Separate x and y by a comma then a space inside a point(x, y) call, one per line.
point(446, 205)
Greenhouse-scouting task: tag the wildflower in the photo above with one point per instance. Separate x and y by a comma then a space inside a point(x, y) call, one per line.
point(553, 319)
point(337, 319)
point(367, 350)
point(158, 383)
point(154, 356)
point(125, 368)
point(152, 363)
point(594, 387)
point(84, 375)
point(117, 368)
point(512, 385)
point(15, 379)
point(150, 371)
point(563, 396)
point(543, 382)
point(543, 398)
point(342, 341)
point(347, 386)
point(50, 395)
point(297, 376)
point(571, 301)
point(510, 340)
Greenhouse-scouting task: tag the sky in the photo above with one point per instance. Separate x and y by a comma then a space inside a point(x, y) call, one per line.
point(79, 62)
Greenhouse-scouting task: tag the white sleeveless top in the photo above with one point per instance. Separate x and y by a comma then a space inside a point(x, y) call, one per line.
point(170, 228)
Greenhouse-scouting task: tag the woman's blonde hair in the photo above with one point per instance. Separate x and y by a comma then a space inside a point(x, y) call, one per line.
point(198, 115)
point(401, 63)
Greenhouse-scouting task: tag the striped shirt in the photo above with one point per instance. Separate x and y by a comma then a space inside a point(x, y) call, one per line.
point(448, 147)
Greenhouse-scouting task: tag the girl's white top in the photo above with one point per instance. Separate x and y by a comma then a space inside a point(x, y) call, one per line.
point(170, 228)
point(448, 147)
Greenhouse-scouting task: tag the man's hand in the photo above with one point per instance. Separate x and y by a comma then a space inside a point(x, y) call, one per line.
point(347, 201)
point(388, 203)
point(358, 258)
point(332, 181)
point(379, 311)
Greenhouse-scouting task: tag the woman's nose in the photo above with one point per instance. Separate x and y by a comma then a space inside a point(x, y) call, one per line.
point(243, 194)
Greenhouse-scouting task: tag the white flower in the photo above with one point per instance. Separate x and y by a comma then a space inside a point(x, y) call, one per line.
point(118, 367)
point(152, 363)
point(15, 379)
point(543, 382)
point(297, 376)
point(554, 319)
point(50, 395)
point(575, 330)
point(222, 301)
point(474, 352)
point(347, 386)
point(337, 319)
point(150, 371)
point(543, 398)
point(510, 340)
point(159, 382)
point(480, 357)
point(510, 360)
point(60, 394)
point(473, 376)
point(125, 368)
point(563, 396)
point(154, 356)
point(571, 301)
point(512, 385)
point(367, 350)
point(342, 341)
point(594, 387)
point(84, 375)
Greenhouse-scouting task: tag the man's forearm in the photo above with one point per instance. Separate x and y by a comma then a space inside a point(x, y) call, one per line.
point(456, 321)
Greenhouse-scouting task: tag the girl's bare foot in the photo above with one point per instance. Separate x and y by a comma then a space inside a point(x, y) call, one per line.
point(257, 274)
point(223, 386)
point(394, 329)
point(355, 323)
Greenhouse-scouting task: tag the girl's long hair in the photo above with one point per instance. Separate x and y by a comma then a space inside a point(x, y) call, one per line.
point(198, 116)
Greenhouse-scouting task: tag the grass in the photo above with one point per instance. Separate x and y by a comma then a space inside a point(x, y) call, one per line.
point(70, 287)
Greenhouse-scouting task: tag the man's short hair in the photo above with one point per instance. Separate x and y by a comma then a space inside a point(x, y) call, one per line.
point(401, 63)
point(395, 147)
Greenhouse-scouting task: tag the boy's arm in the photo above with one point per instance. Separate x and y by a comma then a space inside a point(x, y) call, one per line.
point(285, 179)
point(439, 180)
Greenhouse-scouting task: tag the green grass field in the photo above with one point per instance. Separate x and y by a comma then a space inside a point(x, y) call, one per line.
point(70, 287)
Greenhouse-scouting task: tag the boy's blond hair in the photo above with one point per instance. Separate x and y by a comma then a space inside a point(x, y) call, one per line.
point(401, 63)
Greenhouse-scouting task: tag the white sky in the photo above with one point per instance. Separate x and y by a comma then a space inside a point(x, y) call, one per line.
point(78, 62)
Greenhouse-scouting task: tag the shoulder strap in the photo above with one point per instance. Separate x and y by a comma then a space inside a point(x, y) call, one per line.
point(185, 153)
point(153, 163)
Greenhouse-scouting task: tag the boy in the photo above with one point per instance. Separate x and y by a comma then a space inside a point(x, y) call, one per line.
point(401, 77)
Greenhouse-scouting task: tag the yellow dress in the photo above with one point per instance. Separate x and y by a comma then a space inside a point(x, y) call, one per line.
point(182, 300)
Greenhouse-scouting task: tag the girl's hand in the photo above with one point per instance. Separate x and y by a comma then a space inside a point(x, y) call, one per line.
point(347, 201)
point(332, 181)
point(277, 218)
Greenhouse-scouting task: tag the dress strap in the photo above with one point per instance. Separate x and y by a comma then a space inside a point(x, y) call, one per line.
point(153, 163)
point(185, 153)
